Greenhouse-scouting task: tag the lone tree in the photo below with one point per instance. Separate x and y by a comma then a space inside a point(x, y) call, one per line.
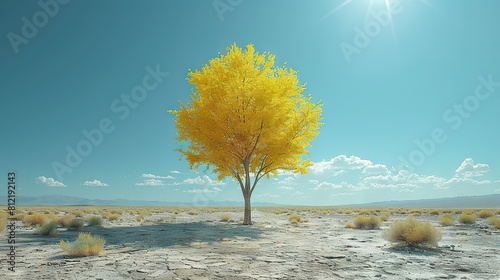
point(247, 119)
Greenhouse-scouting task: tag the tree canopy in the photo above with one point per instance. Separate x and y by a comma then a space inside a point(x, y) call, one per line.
point(247, 118)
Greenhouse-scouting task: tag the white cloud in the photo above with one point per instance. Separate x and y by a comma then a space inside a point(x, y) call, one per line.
point(151, 176)
point(212, 190)
point(151, 182)
point(327, 185)
point(285, 188)
point(205, 180)
point(462, 182)
point(175, 172)
point(95, 183)
point(468, 169)
point(313, 181)
point(343, 193)
point(340, 162)
point(376, 169)
point(49, 182)
point(287, 181)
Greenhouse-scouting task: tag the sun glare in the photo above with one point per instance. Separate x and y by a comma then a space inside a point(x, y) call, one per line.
point(376, 4)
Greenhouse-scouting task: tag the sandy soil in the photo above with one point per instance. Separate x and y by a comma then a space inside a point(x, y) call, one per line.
point(203, 247)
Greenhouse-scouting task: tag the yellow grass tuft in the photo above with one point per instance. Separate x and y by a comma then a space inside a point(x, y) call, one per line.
point(367, 222)
point(35, 220)
point(225, 217)
point(3, 222)
point(49, 228)
point(413, 232)
point(467, 218)
point(85, 245)
point(113, 217)
point(495, 222)
point(447, 220)
point(294, 218)
point(485, 214)
point(350, 225)
point(95, 220)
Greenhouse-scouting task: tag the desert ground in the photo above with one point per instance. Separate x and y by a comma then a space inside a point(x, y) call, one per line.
point(176, 243)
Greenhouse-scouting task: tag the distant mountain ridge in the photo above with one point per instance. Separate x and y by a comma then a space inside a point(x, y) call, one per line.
point(483, 201)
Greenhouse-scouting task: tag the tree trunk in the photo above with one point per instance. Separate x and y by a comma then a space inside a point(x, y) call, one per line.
point(247, 217)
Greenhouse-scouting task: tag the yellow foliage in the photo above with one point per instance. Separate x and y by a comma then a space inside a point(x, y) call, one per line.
point(247, 116)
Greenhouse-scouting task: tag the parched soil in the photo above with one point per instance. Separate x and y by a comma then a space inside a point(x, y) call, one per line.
point(203, 247)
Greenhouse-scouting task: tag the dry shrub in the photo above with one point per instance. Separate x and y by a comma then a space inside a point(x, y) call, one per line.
point(495, 222)
point(35, 220)
point(85, 245)
point(413, 232)
point(467, 218)
point(113, 217)
point(384, 217)
point(447, 220)
point(49, 228)
point(225, 217)
point(350, 225)
point(367, 222)
point(365, 212)
point(95, 221)
point(18, 217)
point(294, 218)
point(65, 220)
point(78, 214)
point(76, 224)
point(485, 214)
point(435, 212)
point(139, 218)
point(3, 222)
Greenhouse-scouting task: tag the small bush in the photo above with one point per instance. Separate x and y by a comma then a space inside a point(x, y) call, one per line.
point(113, 217)
point(350, 225)
point(446, 220)
point(139, 218)
point(79, 214)
point(225, 217)
point(76, 224)
point(95, 221)
point(495, 222)
point(49, 228)
point(35, 220)
point(485, 214)
point(367, 222)
point(435, 212)
point(384, 217)
point(413, 232)
point(467, 218)
point(65, 220)
point(85, 245)
point(18, 217)
point(3, 222)
point(294, 218)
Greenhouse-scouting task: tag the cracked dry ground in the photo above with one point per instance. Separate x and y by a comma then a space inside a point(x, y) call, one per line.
point(202, 247)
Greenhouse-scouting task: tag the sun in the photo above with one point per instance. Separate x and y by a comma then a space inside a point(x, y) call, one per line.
point(371, 5)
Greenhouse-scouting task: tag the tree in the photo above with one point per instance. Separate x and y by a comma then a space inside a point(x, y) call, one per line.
point(247, 119)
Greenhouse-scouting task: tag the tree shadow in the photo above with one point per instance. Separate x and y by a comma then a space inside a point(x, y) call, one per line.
point(154, 236)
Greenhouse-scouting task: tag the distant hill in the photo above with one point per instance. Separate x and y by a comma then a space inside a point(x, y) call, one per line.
point(72, 200)
point(483, 201)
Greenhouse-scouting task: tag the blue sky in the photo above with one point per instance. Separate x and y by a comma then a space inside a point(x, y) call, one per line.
point(410, 100)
